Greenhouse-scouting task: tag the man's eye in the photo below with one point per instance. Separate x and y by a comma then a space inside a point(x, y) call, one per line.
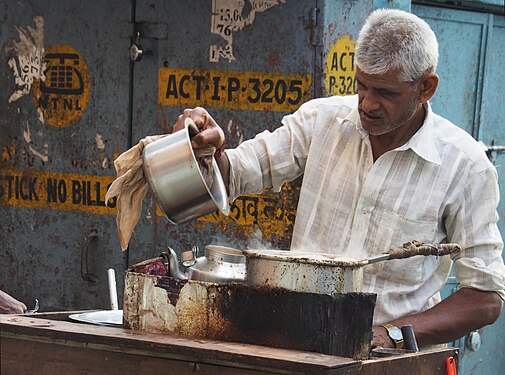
point(386, 93)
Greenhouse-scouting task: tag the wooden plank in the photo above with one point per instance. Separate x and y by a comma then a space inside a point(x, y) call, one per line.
point(43, 346)
point(429, 362)
point(50, 359)
point(209, 352)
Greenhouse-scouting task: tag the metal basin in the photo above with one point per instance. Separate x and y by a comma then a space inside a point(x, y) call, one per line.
point(174, 176)
point(325, 273)
point(303, 272)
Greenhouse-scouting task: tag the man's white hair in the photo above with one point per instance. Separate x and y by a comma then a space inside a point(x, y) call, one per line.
point(394, 39)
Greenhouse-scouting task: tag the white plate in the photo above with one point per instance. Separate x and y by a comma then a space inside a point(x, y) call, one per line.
point(106, 317)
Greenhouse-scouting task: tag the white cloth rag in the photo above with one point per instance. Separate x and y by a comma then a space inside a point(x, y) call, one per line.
point(130, 187)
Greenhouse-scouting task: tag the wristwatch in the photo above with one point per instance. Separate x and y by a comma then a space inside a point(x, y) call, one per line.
point(395, 334)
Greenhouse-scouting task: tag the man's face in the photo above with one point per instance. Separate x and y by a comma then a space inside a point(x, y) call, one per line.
point(385, 102)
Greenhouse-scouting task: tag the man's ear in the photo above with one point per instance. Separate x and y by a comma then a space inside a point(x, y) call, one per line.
point(428, 86)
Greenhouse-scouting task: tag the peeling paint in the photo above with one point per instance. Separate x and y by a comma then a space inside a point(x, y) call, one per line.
point(40, 114)
point(28, 63)
point(105, 163)
point(43, 154)
point(148, 215)
point(100, 143)
point(229, 16)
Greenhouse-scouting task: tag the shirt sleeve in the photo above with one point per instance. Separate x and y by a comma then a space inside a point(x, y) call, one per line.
point(272, 158)
point(474, 226)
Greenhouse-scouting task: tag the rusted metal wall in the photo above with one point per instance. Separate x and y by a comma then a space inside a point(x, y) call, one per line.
point(72, 100)
point(58, 139)
point(249, 63)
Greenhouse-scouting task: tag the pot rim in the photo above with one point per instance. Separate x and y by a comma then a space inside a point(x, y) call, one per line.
point(300, 257)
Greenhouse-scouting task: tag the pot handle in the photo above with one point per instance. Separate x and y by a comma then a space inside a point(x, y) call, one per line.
point(188, 258)
point(414, 248)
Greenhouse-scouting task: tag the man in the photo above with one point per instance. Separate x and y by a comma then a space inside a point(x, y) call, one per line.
point(380, 169)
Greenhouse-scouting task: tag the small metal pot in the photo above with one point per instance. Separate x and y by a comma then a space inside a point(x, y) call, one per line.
point(174, 176)
point(219, 265)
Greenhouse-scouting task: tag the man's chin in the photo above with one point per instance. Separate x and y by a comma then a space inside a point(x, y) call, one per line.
point(374, 127)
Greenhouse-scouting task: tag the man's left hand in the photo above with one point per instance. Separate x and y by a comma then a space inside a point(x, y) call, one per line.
point(381, 338)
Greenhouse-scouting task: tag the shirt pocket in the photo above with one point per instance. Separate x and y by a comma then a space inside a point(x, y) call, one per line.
point(393, 231)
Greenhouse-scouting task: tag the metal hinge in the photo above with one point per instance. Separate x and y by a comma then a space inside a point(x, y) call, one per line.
point(312, 24)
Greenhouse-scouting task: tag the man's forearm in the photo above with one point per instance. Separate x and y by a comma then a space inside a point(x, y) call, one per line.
point(462, 312)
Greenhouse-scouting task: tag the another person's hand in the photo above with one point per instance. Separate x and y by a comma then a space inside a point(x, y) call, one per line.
point(10, 305)
point(381, 338)
point(210, 132)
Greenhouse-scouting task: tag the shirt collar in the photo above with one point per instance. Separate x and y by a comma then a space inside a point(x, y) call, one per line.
point(422, 142)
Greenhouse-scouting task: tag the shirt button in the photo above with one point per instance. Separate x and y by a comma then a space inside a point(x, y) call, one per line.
point(364, 210)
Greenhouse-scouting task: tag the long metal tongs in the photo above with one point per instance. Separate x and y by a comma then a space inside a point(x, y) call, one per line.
point(413, 248)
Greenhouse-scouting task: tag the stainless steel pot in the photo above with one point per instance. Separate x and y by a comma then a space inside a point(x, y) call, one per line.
point(324, 273)
point(174, 176)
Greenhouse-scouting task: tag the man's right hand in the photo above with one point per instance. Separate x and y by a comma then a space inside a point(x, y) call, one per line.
point(210, 132)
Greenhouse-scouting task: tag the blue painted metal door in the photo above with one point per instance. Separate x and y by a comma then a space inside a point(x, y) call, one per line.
point(472, 56)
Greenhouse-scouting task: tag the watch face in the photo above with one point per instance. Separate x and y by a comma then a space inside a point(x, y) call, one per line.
point(395, 333)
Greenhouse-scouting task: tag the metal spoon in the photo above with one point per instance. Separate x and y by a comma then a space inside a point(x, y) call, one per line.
point(35, 309)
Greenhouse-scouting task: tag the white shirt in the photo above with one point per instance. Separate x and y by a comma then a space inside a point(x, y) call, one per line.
point(439, 187)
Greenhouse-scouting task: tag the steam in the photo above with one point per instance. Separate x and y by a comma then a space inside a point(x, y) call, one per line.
point(257, 242)
point(254, 241)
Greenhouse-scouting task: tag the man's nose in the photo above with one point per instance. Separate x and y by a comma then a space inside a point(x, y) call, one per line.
point(369, 102)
